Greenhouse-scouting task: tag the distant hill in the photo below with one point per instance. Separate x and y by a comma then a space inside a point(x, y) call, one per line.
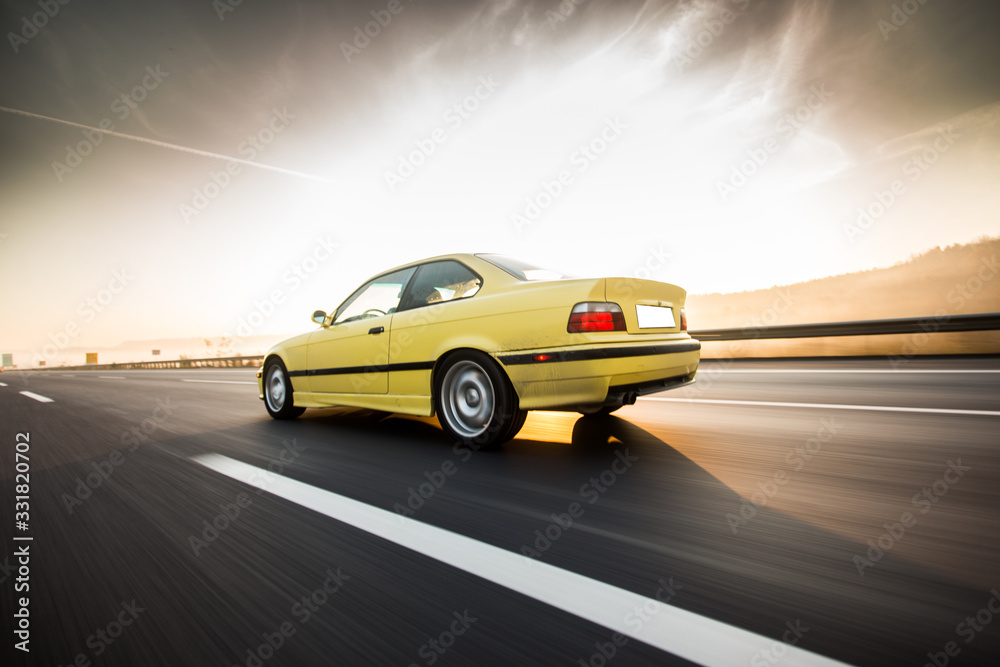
point(958, 279)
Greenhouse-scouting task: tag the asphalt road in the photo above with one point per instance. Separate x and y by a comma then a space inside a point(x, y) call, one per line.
point(755, 502)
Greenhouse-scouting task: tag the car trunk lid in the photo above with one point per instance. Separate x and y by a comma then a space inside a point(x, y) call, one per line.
point(649, 306)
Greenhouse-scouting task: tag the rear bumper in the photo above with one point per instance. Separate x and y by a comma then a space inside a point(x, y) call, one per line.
point(589, 376)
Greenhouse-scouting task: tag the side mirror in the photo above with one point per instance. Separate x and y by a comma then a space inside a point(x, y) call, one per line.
point(319, 317)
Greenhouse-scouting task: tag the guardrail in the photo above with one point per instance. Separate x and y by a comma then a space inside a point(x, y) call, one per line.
point(209, 362)
point(905, 325)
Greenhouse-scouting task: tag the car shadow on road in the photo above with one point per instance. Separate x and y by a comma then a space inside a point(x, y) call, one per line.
point(649, 512)
point(664, 513)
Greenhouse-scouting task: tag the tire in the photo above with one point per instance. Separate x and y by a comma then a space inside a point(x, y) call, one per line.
point(515, 425)
point(278, 392)
point(476, 403)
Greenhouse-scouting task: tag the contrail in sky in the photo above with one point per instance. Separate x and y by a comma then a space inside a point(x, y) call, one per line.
point(163, 144)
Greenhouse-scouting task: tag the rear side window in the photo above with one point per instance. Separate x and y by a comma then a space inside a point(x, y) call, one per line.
point(522, 270)
point(438, 282)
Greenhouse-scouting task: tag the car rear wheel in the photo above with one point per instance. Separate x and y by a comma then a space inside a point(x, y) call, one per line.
point(476, 404)
point(278, 392)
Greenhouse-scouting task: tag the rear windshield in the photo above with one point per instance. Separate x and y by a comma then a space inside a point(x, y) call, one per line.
point(522, 270)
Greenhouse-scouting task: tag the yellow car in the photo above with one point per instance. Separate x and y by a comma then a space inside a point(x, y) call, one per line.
point(481, 339)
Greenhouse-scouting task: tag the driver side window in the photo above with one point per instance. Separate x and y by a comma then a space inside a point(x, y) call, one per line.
point(376, 298)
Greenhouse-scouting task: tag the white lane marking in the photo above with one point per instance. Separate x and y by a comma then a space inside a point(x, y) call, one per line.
point(3, 384)
point(111, 377)
point(708, 368)
point(676, 631)
point(829, 406)
point(37, 397)
point(220, 381)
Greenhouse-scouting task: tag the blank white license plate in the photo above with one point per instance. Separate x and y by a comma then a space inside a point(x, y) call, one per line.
point(654, 317)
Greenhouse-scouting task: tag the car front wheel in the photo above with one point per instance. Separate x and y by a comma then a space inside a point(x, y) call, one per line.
point(278, 392)
point(476, 404)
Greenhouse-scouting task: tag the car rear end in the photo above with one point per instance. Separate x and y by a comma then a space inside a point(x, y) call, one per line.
point(623, 338)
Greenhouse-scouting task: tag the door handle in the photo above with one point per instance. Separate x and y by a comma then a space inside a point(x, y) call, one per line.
point(376, 330)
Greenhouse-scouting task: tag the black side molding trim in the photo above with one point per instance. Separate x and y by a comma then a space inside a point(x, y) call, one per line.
point(515, 359)
point(601, 353)
point(378, 368)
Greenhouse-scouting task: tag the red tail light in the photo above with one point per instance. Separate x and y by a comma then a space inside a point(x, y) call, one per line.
point(587, 317)
point(684, 320)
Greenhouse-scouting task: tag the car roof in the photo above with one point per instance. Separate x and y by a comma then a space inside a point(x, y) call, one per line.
point(466, 258)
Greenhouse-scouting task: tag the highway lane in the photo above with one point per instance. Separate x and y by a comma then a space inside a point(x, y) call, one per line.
point(828, 480)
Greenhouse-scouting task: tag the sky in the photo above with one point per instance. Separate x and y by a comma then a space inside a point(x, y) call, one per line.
point(200, 168)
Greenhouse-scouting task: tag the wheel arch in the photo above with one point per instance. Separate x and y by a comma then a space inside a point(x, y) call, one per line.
point(298, 381)
point(440, 362)
point(271, 356)
point(280, 405)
